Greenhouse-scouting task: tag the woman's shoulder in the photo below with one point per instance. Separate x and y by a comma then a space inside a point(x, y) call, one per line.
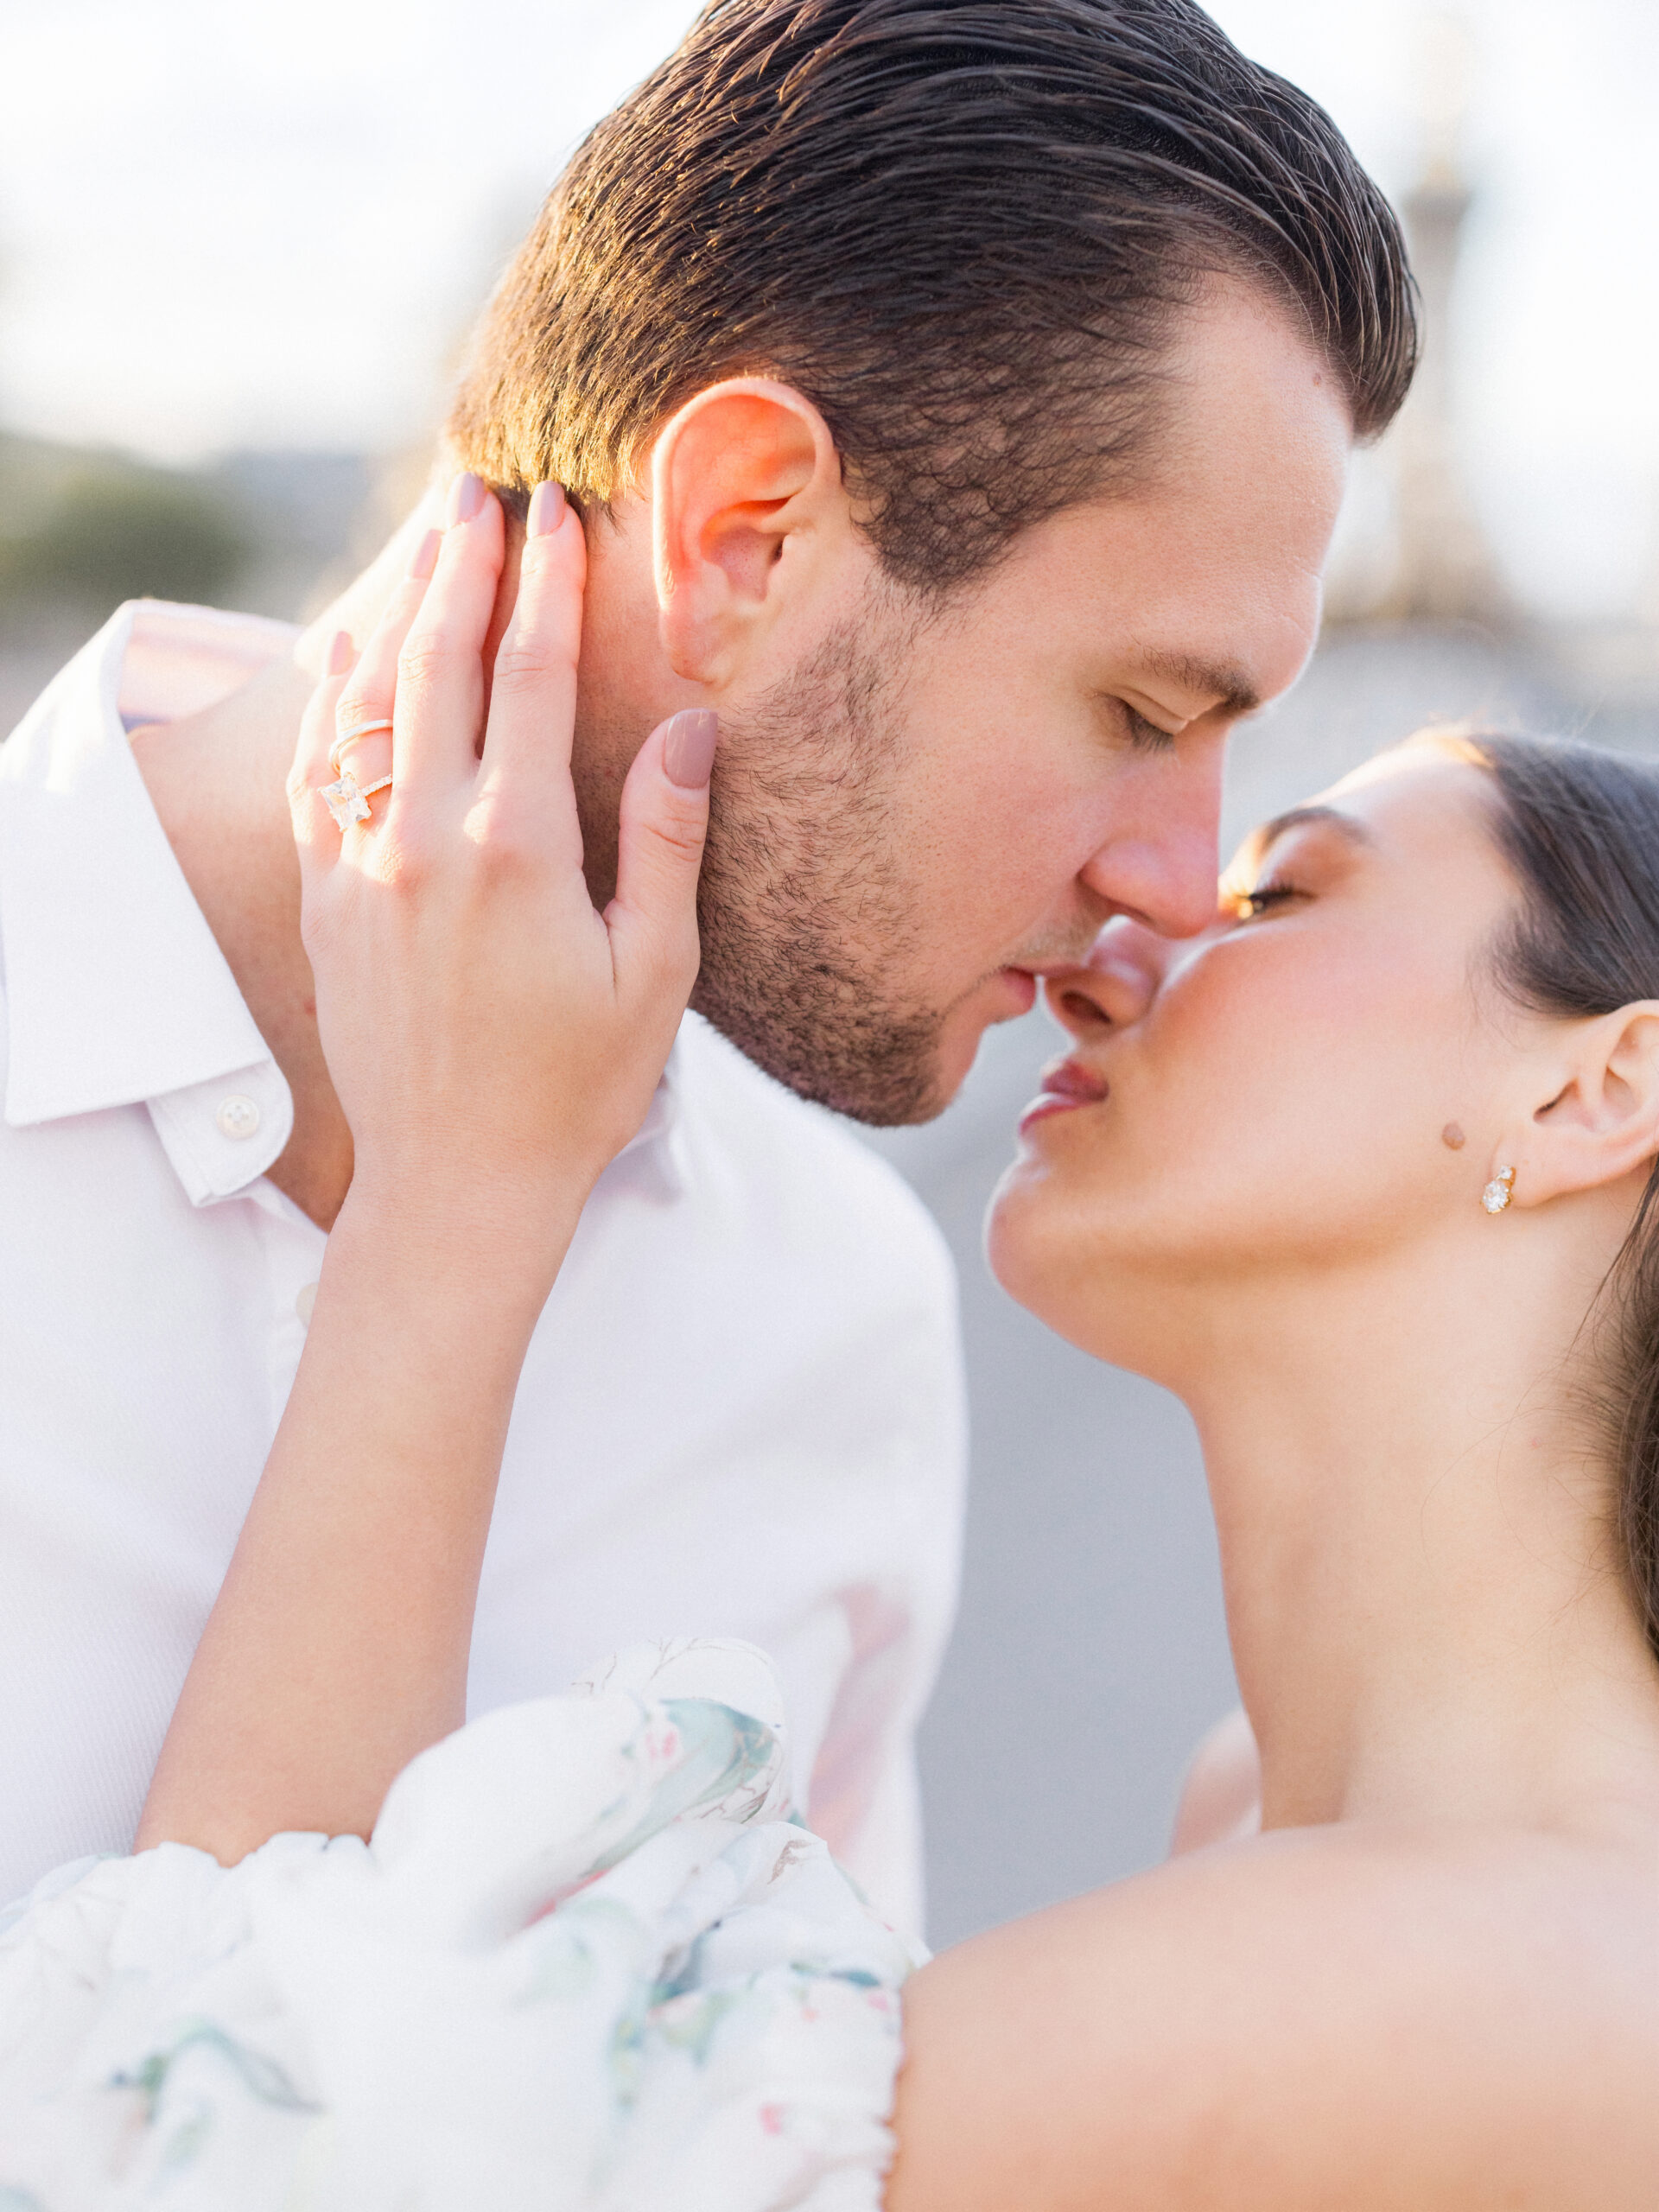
point(1370, 2016)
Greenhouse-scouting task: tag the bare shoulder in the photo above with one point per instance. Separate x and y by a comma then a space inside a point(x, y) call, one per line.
point(1373, 2019)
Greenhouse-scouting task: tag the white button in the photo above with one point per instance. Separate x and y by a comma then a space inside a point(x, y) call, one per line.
point(305, 1300)
point(238, 1116)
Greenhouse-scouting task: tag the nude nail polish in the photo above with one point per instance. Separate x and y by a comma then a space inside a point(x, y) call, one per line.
point(689, 747)
point(465, 497)
point(426, 555)
point(341, 652)
point(546, 510)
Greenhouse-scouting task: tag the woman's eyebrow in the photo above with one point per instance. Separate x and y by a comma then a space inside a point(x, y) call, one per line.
point(1332, 817)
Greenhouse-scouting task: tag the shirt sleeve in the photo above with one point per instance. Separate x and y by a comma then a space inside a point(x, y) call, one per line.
point(864, 1795)
point(882, 1851)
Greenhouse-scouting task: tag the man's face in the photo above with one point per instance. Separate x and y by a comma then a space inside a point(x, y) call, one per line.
point(937, 803)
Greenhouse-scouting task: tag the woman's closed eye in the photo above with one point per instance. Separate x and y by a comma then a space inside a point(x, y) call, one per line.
point(1265, 897)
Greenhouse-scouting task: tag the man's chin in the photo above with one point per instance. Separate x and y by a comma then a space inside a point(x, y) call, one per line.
point(884, 1069)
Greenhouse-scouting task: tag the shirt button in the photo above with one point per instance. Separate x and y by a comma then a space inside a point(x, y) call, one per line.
point(304, 1301)
point(238, 1116)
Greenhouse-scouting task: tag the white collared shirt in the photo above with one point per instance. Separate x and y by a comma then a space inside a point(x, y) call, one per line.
point(741, 1414)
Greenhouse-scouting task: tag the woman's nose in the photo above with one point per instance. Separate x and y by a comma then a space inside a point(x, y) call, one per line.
point(1115, 984)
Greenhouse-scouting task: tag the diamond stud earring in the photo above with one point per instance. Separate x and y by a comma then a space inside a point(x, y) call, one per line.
point(1499, 1193)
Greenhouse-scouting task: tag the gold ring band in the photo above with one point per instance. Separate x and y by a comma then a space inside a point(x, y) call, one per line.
point(350, 737)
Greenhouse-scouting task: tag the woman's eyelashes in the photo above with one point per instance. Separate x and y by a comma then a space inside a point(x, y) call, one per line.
point(1265, 897)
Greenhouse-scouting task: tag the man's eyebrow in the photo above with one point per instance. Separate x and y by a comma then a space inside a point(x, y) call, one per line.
point(1332, 817)
point(1232, 692)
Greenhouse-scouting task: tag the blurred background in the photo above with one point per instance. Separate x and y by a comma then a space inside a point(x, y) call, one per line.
point(239, 251)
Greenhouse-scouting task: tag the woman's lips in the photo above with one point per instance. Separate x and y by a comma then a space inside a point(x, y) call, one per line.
point(1067, 1083)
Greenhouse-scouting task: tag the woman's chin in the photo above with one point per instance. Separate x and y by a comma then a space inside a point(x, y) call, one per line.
point(1053, 1252)
point(1036, 1251)
point(1026, 1239)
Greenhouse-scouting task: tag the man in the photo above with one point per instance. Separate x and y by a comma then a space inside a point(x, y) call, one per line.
point(958, 398)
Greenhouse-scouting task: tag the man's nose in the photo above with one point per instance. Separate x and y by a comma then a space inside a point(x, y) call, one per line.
point(1115, 984)
point(1160, 861)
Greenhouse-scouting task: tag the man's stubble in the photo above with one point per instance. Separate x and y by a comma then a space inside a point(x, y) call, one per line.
point(806, 913)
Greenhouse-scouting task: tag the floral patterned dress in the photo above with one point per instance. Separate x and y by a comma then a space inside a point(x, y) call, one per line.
point(587, 1963)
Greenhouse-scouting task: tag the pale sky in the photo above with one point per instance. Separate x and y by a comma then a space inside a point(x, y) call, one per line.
point(268, 222)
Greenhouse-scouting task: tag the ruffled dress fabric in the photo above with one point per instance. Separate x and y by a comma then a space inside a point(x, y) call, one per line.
point(587, 1963)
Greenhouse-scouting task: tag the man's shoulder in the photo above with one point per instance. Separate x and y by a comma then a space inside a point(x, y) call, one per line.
point(800, 1164)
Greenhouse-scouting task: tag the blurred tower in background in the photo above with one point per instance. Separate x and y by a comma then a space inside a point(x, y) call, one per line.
point(1442, 569)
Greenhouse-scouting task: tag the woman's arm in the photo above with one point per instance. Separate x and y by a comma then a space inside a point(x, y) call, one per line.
point(494, 1043)
point(338, 1646)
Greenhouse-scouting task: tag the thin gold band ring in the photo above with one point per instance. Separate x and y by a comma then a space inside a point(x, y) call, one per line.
point(350, 737)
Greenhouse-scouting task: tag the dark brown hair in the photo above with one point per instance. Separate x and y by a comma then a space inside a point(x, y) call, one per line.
point(1580, 830)
point(960, 228)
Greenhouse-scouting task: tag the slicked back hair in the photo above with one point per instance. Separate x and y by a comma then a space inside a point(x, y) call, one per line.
point(962, 228)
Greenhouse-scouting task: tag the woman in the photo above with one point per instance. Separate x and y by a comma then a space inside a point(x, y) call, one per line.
point(1362, 1174)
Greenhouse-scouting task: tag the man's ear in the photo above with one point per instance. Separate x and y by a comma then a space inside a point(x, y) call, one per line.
point(748, 512)
point(1602, 1122)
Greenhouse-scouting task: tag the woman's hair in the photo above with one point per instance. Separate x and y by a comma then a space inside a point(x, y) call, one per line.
point(1580, 830)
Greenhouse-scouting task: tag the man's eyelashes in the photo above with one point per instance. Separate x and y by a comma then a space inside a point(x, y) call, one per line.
point(1145, 736)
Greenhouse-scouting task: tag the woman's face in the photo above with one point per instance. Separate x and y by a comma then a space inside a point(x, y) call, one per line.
point(1271, 1100)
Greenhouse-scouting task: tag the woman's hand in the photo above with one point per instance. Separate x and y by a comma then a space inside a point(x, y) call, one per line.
point(493, 1040)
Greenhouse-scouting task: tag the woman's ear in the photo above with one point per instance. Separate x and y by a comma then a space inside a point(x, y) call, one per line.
point(1603, 1121)
point(748, 511)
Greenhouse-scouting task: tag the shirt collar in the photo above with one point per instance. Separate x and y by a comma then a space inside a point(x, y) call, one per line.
point(116, 990)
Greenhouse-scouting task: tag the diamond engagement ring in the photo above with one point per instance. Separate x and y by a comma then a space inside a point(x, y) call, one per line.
point(348, 800)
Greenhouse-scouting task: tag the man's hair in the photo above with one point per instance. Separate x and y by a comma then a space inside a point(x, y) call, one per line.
point(962, 228)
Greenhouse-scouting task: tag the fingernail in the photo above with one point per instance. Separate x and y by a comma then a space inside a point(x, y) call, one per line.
point(341, 652)
point(465, 496)
point(689, 747)
point(546, 510)
point(426, 553)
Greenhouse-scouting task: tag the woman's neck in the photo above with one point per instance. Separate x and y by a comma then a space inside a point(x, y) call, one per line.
point(1426, 1603)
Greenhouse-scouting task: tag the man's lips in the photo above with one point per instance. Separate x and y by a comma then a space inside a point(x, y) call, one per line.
point(1022, 988)
point(1065, 1084)
point(1022, 979)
